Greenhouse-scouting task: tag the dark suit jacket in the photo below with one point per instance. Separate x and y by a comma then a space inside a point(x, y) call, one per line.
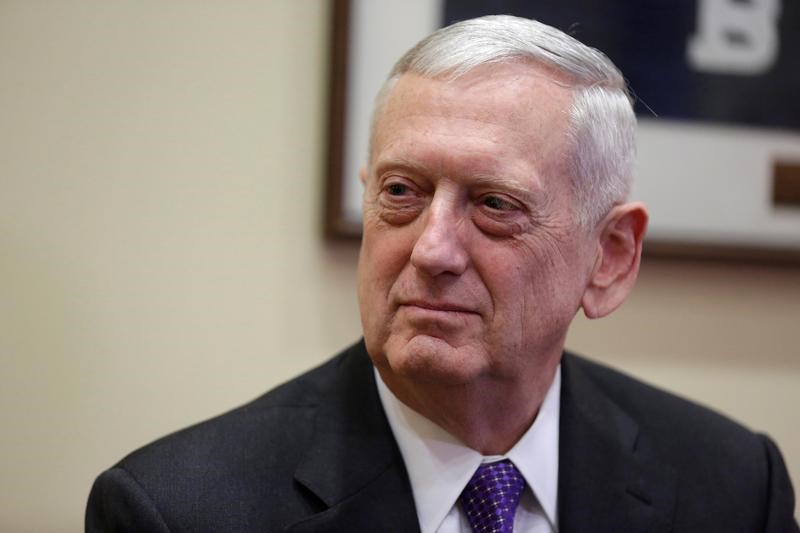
point(317, 454)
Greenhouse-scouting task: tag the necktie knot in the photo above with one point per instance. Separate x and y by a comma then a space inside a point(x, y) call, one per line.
point(491, 497)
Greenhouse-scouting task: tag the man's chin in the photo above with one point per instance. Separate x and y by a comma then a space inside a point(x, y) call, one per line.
point(426, 358)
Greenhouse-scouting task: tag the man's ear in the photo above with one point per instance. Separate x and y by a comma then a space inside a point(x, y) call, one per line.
point(362, 175)
point(617, 265)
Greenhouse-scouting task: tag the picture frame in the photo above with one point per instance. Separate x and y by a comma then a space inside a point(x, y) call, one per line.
point(714, 191)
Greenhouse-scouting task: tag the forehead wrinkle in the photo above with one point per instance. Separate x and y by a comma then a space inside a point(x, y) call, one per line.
point(482, 151)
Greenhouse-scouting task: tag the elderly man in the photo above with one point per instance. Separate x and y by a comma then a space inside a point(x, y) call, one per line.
point(494, 210)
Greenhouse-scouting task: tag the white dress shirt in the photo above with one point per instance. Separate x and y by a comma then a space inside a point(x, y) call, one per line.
point(439, 465)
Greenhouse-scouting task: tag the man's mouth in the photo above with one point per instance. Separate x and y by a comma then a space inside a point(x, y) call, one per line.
point(441, 306)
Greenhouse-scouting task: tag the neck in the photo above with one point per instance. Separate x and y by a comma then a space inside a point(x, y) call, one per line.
point(489, 415)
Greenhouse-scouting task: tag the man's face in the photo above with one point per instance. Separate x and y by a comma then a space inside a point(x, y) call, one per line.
point(471, 263)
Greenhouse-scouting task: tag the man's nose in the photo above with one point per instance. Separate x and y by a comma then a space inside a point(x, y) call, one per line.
point(440, 248)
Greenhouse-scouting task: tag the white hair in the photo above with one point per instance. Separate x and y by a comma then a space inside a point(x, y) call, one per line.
point(602, 123)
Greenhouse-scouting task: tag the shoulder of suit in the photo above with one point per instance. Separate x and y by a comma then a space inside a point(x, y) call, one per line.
point(668, 416)
point(283, 414)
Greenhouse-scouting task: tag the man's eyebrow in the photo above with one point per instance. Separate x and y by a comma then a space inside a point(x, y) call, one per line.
point(533, 196)
point(530, 195)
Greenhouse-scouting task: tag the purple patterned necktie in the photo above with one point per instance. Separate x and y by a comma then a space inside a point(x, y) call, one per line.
point(491, 497)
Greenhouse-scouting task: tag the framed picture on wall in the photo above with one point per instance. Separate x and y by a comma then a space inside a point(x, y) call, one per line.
point(716, 93)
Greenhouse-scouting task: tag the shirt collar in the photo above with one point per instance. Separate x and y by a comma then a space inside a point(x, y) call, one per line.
point(439, 465)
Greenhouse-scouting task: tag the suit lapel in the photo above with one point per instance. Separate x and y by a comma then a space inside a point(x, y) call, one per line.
point(353, 465)
point(606, 482)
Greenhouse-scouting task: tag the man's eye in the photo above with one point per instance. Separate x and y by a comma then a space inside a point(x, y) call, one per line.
point(497, 204)
point(396, 189)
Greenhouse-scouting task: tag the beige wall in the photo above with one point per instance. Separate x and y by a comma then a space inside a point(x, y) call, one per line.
point(161, 259)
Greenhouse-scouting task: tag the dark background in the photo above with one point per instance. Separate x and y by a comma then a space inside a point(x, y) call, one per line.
point(648, 41)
